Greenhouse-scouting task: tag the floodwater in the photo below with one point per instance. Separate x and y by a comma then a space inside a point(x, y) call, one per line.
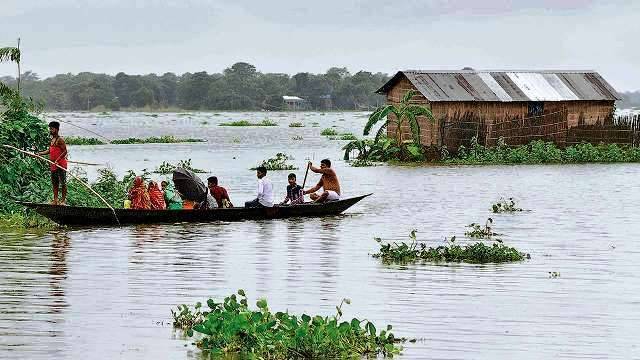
point(105, 293)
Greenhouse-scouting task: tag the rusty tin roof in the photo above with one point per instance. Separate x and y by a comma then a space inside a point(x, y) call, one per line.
point(507, 86)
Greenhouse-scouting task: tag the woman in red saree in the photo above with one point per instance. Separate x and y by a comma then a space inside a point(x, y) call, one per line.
point(156, 196)
point(139, 195)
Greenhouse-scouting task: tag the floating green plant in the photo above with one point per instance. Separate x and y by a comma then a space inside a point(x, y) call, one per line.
point(73, 140)
point(167, 168)
point(503, 206)
point(277, 163)
point(451, 251)
point(329, 132)
point(167, 139)
point(296, 125)
point(265, 122)
point(297, 138)
point(478, 231)
point(231, 328)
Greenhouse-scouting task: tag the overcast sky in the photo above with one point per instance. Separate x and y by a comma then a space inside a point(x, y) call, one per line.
point(145, 36)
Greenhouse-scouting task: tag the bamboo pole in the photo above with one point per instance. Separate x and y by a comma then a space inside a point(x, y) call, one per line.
point(65, 170)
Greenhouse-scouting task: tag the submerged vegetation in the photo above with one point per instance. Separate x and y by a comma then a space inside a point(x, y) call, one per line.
point(167, 139)
point(265, 122)
point(329, 132)
point(231, 327)
point(279, 162)
point(450, 251)
point(167, 168)
point(542, 152)
point(505, 206)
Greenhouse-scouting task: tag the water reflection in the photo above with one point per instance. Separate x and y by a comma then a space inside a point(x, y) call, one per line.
point(58, 271)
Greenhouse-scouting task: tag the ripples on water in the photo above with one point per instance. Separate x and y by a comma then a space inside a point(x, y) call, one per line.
point(106, 293)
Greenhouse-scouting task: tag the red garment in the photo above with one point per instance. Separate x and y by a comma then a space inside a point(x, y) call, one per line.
point(139, 195)
point(156, 196)
point(219, 193)
point(54, 155)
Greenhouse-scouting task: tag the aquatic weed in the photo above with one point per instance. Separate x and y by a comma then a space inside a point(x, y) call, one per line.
point(451, 251)
point(167, 168)
point(279, 162)
point(329, 132)
point(296, 125)
point(478, 231)
point(232, 327)
point(503, 206)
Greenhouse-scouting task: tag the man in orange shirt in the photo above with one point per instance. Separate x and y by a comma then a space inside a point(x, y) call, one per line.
point(58, 155)
point(328, 182)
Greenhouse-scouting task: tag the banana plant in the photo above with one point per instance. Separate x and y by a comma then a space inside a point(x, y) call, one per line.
point(404, 112)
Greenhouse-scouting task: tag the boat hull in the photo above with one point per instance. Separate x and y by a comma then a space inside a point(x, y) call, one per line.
point(87, 216)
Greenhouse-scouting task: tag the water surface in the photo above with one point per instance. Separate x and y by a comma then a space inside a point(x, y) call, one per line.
point(105, 293)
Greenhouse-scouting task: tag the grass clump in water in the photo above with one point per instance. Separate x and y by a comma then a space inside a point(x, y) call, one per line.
point(348, 136)
point(277, 163)
point(329, 132)
point(296, 125)
point(167, 139)
point(476, 253)
point(75, 140)
point(233, 328)
point(505, 206)
point(167, 168)
point(265, 122)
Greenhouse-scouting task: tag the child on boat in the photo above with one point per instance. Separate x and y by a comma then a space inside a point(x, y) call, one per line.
point(294, 192)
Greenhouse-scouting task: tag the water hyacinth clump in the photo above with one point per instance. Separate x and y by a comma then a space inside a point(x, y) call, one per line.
point(74, 140)
point(478, 231)
point(232, 328)
point(167, 168)
point(505, 206)
point(329, 132)
point(296, 125)
point(277, 163)
point(450, 251)
point(167, 139)
point(265, 122)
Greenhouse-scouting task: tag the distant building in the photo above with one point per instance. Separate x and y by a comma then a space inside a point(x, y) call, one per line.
point(294, 103)
point(519, 106)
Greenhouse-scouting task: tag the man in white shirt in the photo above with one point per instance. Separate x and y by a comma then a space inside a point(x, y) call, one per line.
point(265, 190)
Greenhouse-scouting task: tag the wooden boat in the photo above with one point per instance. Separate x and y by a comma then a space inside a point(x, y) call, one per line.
point(79, 215)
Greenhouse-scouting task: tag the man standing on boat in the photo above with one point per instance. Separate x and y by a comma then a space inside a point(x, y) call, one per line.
point(328, 182)
point(58, 155)
point(265, 190)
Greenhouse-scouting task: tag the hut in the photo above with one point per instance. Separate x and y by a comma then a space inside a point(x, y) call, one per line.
point(565, 107)
point(294, 103)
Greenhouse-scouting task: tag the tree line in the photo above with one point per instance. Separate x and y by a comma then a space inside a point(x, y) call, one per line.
point(239, 87)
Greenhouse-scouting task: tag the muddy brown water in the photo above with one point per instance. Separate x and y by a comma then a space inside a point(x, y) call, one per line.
point(105, 293)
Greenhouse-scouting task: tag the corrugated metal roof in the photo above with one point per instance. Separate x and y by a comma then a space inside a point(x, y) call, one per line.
point(506, 86)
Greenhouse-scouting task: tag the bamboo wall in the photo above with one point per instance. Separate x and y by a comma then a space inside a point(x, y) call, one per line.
point(563, 122)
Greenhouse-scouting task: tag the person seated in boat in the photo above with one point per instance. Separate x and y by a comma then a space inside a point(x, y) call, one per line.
point(139, 195)
point(171, 197)
point(328, 182)
point(294, 192)
point(219, 193)
point(156, 196)
point(265, 190)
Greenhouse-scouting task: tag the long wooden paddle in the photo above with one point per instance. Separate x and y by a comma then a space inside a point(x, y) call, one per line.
point(65, 170)
point(305, 175)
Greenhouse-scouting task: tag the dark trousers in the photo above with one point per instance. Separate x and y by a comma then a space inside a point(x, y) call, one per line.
point(253, 203)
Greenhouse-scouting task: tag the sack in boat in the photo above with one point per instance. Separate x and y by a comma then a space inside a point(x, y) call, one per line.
point(189, 185)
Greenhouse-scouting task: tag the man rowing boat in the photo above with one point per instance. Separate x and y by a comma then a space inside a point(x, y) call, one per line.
point(328, 182)
point(58, 155)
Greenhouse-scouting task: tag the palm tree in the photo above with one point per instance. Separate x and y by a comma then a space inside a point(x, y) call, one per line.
point(402, 112)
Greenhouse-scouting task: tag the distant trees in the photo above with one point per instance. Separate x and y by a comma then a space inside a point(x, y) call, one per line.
point(239, 87)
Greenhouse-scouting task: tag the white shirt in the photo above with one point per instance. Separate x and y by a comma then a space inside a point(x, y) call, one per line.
point(265, 192)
